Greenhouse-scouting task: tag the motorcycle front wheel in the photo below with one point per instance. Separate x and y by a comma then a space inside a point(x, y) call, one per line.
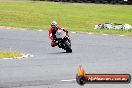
point(68, 47)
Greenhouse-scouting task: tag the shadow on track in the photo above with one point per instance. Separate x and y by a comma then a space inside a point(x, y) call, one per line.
point(59, 53)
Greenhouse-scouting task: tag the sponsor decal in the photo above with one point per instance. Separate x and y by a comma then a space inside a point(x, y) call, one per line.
point(82, 77)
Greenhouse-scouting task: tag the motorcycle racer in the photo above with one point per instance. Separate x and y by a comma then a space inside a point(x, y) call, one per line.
point(52, 31)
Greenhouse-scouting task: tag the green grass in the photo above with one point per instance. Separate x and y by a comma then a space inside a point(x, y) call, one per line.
point(75, 17)
point(9, 54)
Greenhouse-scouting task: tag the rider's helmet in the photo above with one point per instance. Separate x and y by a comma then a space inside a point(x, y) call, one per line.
point(53, 24)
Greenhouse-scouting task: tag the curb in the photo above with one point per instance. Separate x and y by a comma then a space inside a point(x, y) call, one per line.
point(91, 33)
point(40, 30)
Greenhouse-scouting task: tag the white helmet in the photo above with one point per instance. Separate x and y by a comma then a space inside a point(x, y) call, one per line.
point(53, 23)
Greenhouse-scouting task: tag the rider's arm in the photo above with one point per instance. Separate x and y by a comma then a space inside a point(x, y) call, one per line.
point(50, 34)
point(63, 29)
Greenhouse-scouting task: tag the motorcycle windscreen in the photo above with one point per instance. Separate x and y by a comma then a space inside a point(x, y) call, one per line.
point(60, 34)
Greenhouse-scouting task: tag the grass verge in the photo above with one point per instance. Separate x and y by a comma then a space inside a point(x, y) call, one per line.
point(75, 17)
point(7, 54)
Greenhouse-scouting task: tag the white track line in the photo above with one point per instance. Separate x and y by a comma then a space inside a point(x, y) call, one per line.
point(31, 55)
point(40, 30)
point(90, 33)
point(104, 34)
point(22, 29)
point(70, 80)
point(7, 58)
point(122, 35)
point(73, 32)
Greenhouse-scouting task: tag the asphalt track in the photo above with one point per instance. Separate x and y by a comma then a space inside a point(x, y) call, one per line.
point(53, 68)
